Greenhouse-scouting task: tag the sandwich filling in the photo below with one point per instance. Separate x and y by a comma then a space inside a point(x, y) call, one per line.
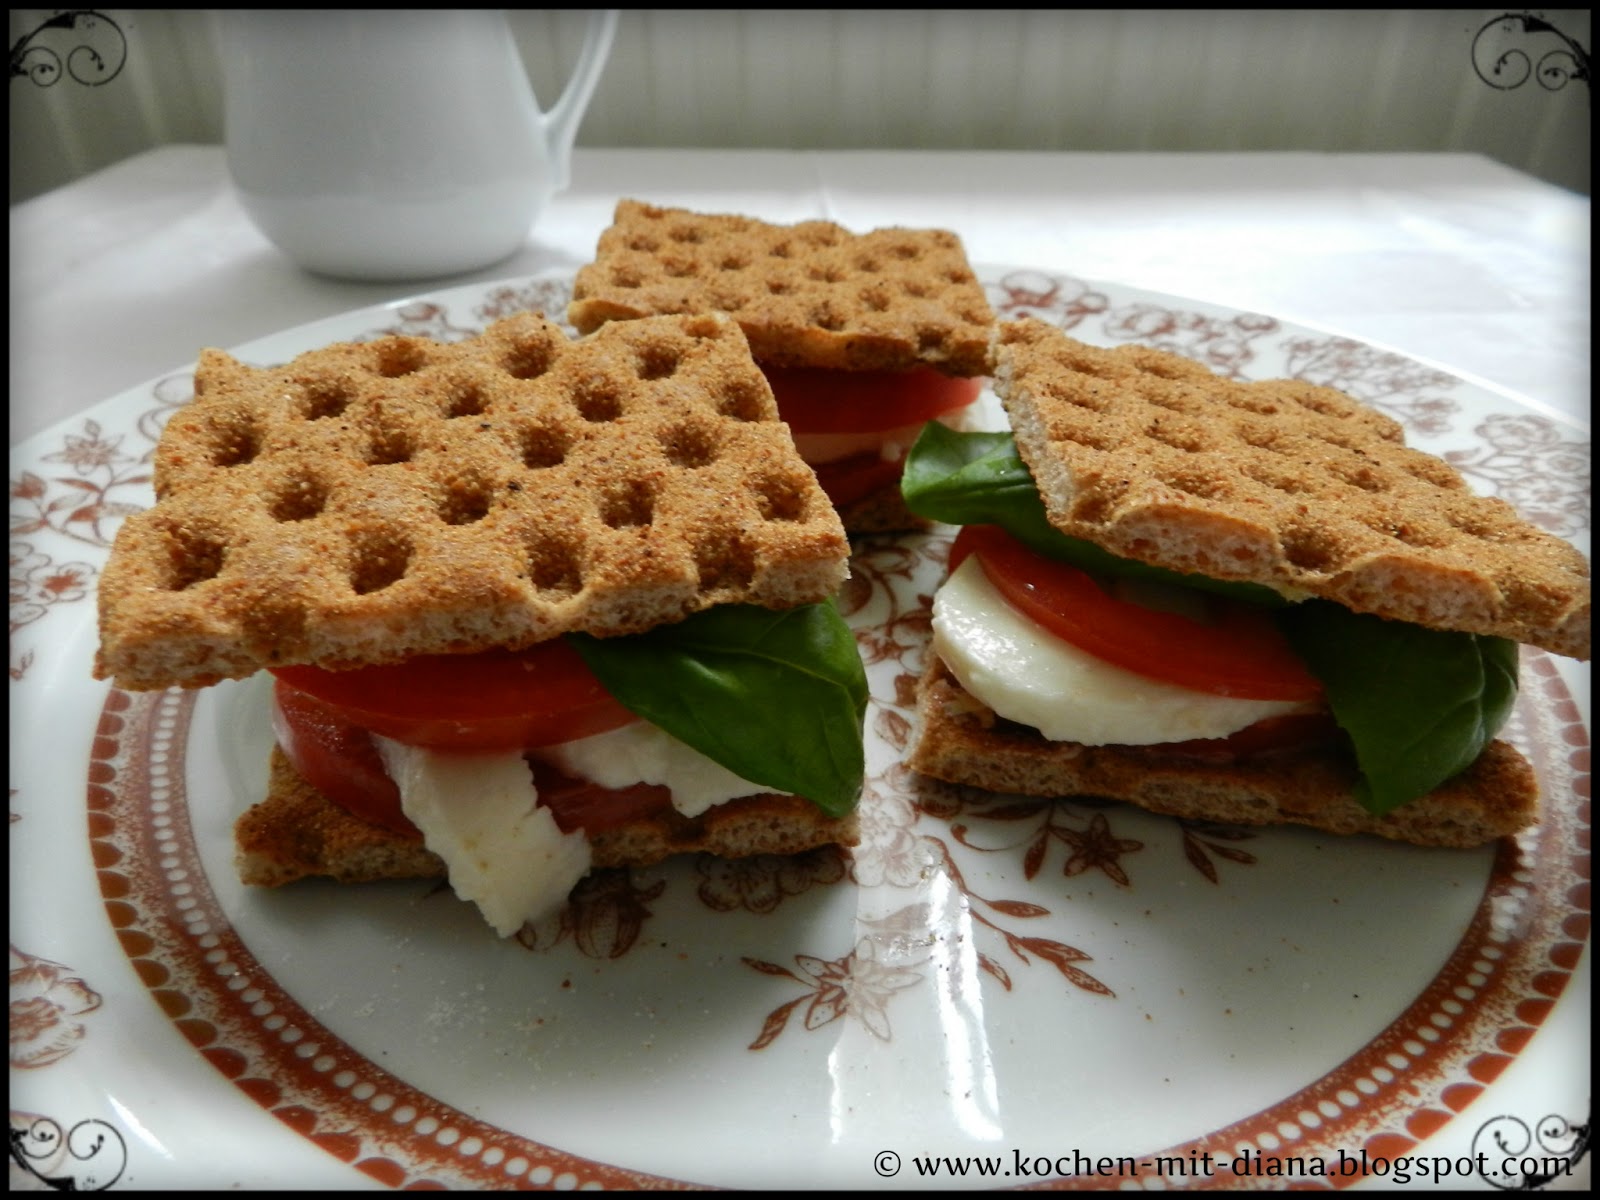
point(504, 846)
point(511, 825)
point(1026, 674)
point(855, 428)
point(504, 763)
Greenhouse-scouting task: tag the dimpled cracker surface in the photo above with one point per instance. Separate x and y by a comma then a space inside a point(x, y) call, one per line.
point(370, 501)
point(1281, 482)
point(807, 295)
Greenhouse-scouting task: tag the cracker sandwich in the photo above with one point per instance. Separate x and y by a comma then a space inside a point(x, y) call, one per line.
point(1236, 602)
point(530, 606)
point(864, 337)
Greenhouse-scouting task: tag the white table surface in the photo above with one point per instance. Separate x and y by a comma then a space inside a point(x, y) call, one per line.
point(1450, 258)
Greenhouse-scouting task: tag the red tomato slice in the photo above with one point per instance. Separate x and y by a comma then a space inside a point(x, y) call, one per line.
point(496, 700)
point(340, 761)
point(337, 758)
point(819, 400)
point(857, 477)
point(1237, 650)
point(580, 804)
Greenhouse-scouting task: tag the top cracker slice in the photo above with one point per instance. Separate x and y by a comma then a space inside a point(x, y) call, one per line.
point(371, 501)
point(1284, 483)
point(806, 295)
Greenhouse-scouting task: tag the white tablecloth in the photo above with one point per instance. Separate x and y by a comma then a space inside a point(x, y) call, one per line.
point(1449, 258)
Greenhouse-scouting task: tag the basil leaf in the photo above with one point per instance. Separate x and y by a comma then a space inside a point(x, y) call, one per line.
point(1419, 704)
point(966, 478)
point(779, 698)
point(980, 479)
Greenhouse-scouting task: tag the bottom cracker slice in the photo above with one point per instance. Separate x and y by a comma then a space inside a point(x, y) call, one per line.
point(296, 833)
point(963, 742)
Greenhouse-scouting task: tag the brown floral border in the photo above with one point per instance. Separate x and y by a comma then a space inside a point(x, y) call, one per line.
point(1498, 986)
point(239, 1018)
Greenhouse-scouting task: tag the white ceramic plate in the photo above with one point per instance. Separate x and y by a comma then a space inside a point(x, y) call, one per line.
point(1086, 994)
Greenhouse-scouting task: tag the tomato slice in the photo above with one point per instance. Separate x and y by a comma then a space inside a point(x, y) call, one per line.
point(340, 761)
point(581, 804)
point(820, 400)
point(496, 700)
point(337, 758)
point(857, 477)
point(1233, 649)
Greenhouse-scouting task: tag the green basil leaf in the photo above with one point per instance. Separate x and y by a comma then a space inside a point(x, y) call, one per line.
point(778, 697)
point(980, 479)
point(965, 478)
point(1419, 704)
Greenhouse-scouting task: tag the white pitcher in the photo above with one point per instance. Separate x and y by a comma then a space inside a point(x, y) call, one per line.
point(395, 144)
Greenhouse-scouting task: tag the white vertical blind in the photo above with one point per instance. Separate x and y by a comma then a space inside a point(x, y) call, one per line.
point(957, 78)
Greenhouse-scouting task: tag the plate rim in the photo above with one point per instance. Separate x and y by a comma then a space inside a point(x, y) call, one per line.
point(32, 447)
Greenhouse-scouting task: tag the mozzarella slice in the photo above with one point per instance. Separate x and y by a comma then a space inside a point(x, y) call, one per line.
point(889, 444)
point(1028, 675)
point(640, 752)
point(480, 814)
point(502, 849)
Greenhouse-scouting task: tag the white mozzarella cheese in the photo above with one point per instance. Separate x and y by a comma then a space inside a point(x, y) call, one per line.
point(890, 444)
point(1030, 676)
point(480, 814)
point(640, 752)
point(503, 850)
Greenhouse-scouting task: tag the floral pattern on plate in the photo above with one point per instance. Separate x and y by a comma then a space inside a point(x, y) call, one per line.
point(961, 919)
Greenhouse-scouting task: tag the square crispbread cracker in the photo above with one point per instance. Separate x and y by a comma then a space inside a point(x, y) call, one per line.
point(371, 501)
point(1284, 483)
point(961, 741)
point(807, 295)
point(297, 833)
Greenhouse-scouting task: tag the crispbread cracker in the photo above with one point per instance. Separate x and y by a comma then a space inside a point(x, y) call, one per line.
point(1284, 483)
point(296, 833)
point(961, 741)
point(807, 295)
point(371, 501)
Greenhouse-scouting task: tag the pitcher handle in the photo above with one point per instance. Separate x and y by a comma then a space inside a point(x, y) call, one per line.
point(561, 123)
